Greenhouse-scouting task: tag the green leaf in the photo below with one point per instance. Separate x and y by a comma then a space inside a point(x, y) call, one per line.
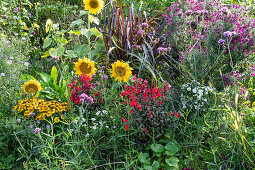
point(56, 52)
point(86, 32)
point(54, 73)
point(157, 147)
point(75, 32)
point(171, 148)
point(77, 22)
point(45, 77)
point(71, 54)
point(143, 157)
point(93, 19)
point(155, 165)
point(62, 40)
point(46, 54)
point(147, 167)
point(81, 49)
point(82, 12)
point(172, 161)
point(47, 42)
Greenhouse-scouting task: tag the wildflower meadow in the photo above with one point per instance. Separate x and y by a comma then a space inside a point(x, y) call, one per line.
point(111, 84)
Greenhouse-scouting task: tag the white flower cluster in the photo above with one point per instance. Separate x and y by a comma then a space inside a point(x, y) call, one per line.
point(94, 122)
point(194, 95)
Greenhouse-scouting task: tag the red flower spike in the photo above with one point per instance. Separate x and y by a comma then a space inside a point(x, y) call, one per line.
point(124, 120)
point(126, 127)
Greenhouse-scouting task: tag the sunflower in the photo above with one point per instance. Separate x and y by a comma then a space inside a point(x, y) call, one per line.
point(32, 86)
point(94, 6)
point(121, 71)
point(85, 66)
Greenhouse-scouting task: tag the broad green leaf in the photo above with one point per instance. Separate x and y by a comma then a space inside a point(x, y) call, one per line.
point(54, 73)
point(171, 148)
point(81, 49)
point(82, 12)
point(56, 52)
point(46, 54)
point(93, 19)
point(143, 157)
point(71, 54)
point(155, 165)
point(45, 77)
point(172, 161)
point(86, 32)
point(62, 40)
point(47, 42)
point(75, 32)
point(77, 22)
point(157, 147)
point(147, 167)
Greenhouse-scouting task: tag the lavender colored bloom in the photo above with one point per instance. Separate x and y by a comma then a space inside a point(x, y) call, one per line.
point(47, 126)
point(2, 74)
point(26, 63)
point(9, 62)
point(227, 34)
point(189, 12)
point(32, 114)
point(31, 126)
point(29, 15)
point(105, 77)
point(96, 84)
point(5, 16)
point(93, 75)
point(38, 121)
point(221, 41)
point(162, 49)
point(19, 120)
point(145, 25)
point(24, 39)
point(140, 32)
point(11, 58)
point(180, 14)
point(100, 71)
point(37, 130)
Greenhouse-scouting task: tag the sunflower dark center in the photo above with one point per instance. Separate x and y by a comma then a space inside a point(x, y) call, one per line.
point(120, 71)
point(93, 4)
point(85, 68)
point(31, 88)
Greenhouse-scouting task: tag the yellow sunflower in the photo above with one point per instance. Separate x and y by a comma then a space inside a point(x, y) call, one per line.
point(32, 86)
point(85, 66)
point(94, 6)
point(121, 71)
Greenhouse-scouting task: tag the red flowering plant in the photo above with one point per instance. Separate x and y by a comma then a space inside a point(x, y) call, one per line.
point(146, 107)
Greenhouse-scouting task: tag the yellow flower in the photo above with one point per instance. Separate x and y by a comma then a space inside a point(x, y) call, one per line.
point(121, 71)
point(48, 25)
point(94, 6)
point(35, 25)
point(56, 119)
point(32, 86)
point(85, 66)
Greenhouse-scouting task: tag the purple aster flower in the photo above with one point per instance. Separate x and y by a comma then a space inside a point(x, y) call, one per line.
point(38, 121)
point(37, 130)
point(2, 74)
point(221, 41)
point(32, 114)
point(47, 126)
point(140, 32)
point(105, 77)
point(227, 34)
point(31, 126)
point(29, 15)
point(19, 120)
point(26, 63)
point(9, 62)
point(145, 25)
